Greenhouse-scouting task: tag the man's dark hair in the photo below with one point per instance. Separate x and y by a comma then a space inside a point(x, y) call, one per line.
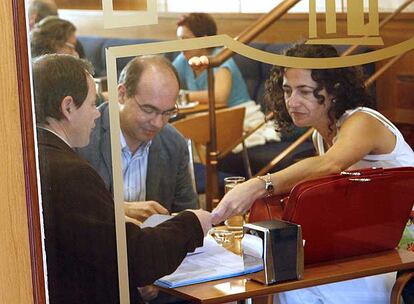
point(55, 77)
point(132, 72)
point(200, 24)
point(42, 9)
point(346, 85)
point(49, 35)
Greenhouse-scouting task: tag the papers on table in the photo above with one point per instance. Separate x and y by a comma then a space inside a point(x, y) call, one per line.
point(212, 263)
point(155, 220)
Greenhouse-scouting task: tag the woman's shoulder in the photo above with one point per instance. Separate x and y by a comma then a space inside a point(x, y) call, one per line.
point(364, 114)
point(357, 114)
point(179, 60)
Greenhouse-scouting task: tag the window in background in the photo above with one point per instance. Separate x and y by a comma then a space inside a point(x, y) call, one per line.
point(227, 6)
point(262, 6)
point(210, 6)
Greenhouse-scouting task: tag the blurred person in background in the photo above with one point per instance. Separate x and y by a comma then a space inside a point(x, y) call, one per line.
point(230, 87)
point(53, 35)
point(40, 9)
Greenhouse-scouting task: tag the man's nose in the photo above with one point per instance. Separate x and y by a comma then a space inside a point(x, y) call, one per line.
point(158, 121)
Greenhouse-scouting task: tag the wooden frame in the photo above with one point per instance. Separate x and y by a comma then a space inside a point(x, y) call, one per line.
point(29, 156)
point(28, 147)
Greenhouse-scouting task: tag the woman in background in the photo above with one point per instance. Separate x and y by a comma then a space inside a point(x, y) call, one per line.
point(230, 88)
point(53, 35)
point(349, 135)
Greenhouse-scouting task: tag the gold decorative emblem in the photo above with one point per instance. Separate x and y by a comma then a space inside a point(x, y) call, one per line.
point(358, 30)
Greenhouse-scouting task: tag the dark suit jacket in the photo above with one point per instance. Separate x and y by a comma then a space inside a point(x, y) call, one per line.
point(168, 177)
point(80, 233)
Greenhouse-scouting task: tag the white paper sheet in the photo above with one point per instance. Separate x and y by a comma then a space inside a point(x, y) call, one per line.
point(213, 263)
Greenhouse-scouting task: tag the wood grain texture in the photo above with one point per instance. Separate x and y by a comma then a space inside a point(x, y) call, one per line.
point(243, 287)
point(289, 28)
point(97, 4)
point(28, 144)
point(15, 274)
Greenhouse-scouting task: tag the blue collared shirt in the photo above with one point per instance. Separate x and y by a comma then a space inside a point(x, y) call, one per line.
point(134, 169)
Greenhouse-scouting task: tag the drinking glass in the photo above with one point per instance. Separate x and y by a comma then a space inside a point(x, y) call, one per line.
point(182, 98)
point(223, 237)
point(236, 222)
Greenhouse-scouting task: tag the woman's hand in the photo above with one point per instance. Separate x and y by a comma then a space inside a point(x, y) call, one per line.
point(238, 200)
point(198, 63)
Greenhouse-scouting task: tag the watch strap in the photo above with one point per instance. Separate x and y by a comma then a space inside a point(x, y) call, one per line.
point(268, 184)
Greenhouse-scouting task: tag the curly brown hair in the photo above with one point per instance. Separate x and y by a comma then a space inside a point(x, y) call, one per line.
point(200, 24)
point(346, 85)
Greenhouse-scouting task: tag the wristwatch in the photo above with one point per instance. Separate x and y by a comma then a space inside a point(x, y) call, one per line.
point(270, 189)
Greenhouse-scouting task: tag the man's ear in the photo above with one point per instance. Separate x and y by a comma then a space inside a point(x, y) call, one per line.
point(122, 94)
point(67, 107)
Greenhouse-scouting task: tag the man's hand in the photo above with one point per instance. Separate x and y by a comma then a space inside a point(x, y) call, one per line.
point(148, 293)
point(142, 210)
point(132, 221)
point(204, 217)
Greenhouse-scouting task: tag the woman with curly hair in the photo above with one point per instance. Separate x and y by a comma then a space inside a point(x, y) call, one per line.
point(335, 102)
point(349, 135)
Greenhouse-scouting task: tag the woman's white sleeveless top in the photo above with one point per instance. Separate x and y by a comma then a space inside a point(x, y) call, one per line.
point(401, 156)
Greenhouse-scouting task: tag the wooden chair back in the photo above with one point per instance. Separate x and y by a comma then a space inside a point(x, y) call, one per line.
point(229, 124)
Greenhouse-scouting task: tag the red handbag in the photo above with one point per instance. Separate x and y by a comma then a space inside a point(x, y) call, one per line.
point(346, 214)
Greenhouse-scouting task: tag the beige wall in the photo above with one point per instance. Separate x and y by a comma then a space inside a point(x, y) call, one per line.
point(15, 278)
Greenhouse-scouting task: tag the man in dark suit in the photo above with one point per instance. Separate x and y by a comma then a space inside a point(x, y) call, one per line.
point(155, 156)
point(78, 211)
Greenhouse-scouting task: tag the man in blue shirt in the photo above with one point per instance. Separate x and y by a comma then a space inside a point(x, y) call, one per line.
point(78, 212)
point(154, 155)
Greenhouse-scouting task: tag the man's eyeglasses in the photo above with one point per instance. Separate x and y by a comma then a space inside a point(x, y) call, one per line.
point(72, 49)
point(151, 112)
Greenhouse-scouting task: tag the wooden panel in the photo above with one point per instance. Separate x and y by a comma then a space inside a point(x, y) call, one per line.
point(395, 87)
point(97, 4)
point(15, 275)
point(290, 28)
point(405, 88)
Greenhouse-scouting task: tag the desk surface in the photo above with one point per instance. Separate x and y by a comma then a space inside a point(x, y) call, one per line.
point(238, 288)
